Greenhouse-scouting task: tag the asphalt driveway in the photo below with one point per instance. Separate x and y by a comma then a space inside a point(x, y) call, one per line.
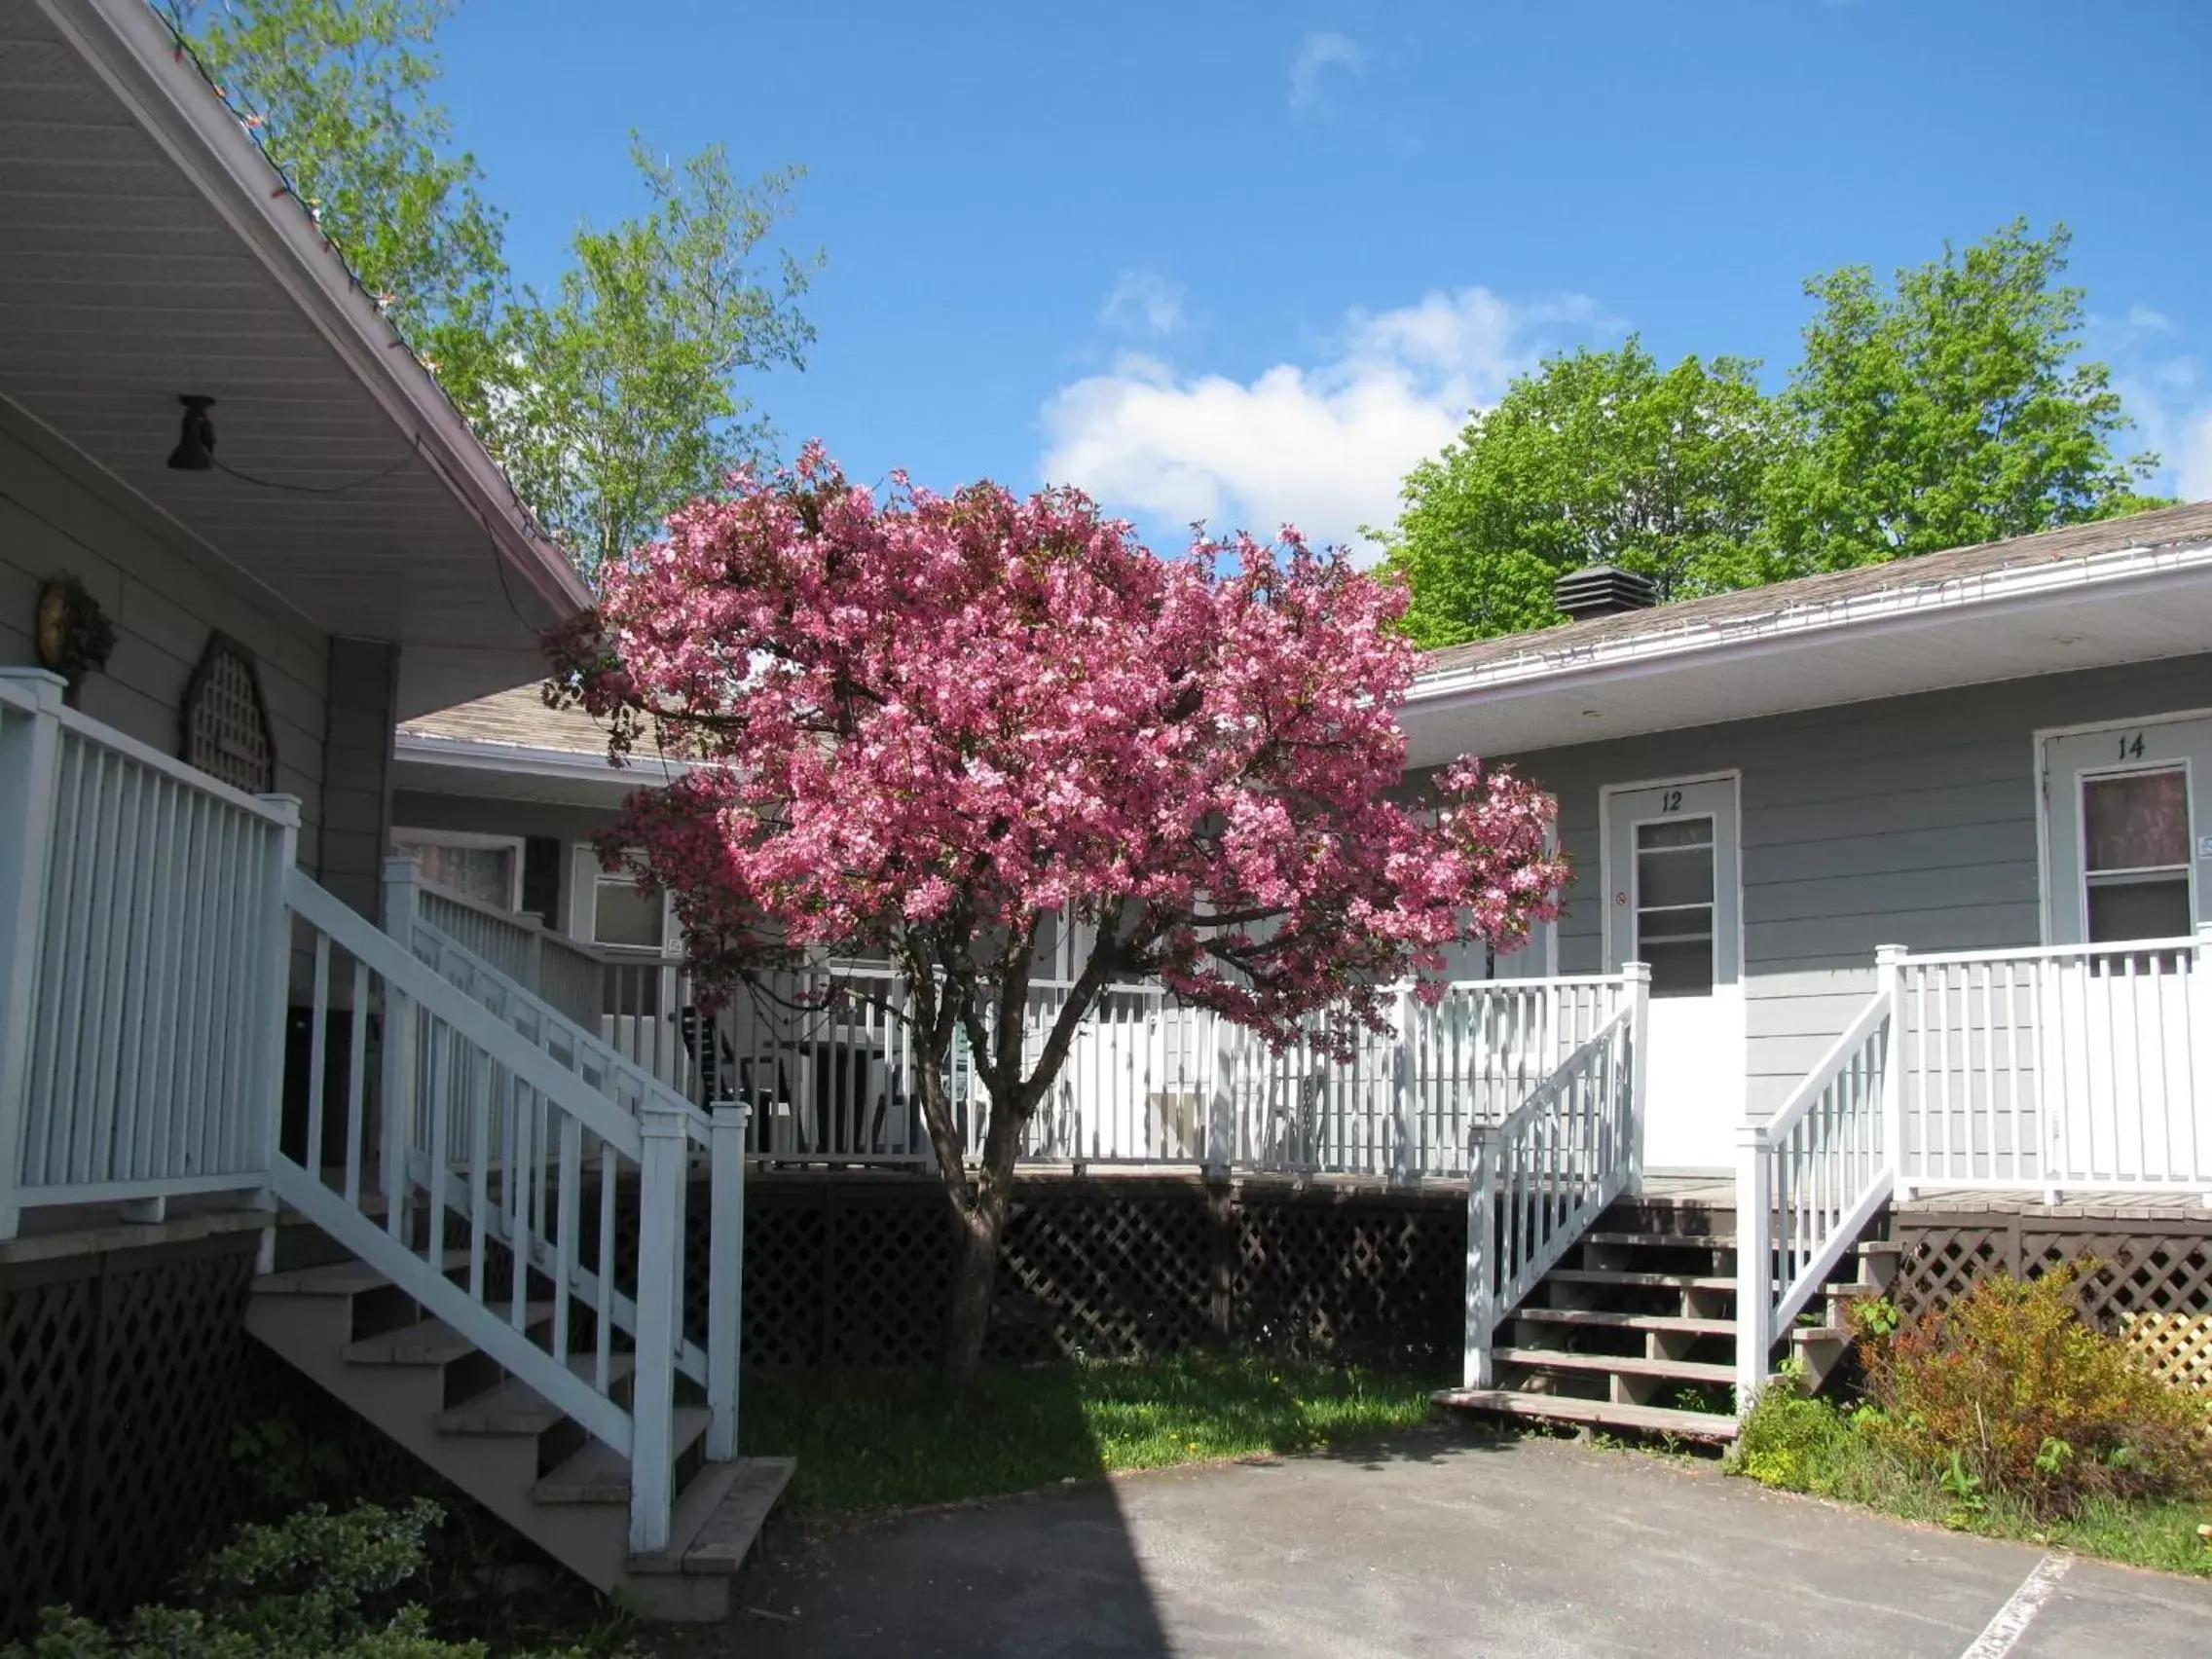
point(1442, 1545)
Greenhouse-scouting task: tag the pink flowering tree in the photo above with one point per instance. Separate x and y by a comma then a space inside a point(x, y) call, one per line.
point(935, 725)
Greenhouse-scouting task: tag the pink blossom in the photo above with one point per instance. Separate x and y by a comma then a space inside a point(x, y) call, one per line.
point(930, 722)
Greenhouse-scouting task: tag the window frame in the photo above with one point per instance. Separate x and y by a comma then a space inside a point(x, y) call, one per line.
point(467, 839)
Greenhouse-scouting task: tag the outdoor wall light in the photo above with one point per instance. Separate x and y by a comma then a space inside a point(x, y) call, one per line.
point(195, 449)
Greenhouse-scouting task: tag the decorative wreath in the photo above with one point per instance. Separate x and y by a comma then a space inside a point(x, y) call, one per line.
point(73, 635)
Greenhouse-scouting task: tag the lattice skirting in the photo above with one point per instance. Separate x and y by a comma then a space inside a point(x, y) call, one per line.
point(2151, 1282)
point(123, 1377)
point(843, 1271)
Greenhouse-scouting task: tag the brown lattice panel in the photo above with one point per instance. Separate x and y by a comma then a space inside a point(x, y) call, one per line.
point(2156, 1265)
point(124, 1375)
point(846, 1271)
point(2174, 1347)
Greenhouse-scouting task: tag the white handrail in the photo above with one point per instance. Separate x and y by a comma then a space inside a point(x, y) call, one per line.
point(2071, 1066)
point(143, 966)
point(1537, 1180)
point(1811, 1177)
point(506, 1119)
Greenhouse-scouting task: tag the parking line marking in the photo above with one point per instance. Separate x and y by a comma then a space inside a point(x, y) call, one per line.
point(2003, 1633)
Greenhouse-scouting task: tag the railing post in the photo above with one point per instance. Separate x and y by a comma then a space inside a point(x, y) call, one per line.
point(1637, 974)
point(30, 761)
point(1221, 1133)
point(2200, 1049)
point(1402, 1087)
point(660, 1295)
point(401, 900)
point(1478, 1370)
point(277, 971)
point(725, 1276)
point(1889, 970)
point(1754, 1265)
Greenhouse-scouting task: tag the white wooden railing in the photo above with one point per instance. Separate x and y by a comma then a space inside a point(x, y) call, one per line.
point(1539, 1178)
point(2063, 1066)
point(1811, 1177)
point(143, 962)
point(482, 1175)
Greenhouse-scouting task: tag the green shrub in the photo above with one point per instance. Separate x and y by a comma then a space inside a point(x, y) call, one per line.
point(2010, 1392)
point(314, 1585)
point(1790, 1440)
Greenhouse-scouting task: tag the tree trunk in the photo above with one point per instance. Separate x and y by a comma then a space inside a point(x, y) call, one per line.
point(982, 1222)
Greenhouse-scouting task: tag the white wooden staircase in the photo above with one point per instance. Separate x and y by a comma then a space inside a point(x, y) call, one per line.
point(435, 1392)
point(1590, 1306)
point(1637, 1329)
point(508, 1204)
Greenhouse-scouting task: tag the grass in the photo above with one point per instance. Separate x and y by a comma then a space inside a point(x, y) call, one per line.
point(1806, 1445)
point(872, 1440)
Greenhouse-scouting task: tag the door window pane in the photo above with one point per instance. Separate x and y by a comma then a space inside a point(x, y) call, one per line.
point(627, 917)
point(1674, 905)
point(1674, 876)
point(2136, 821)
point(1680, 969)
point(1674, 832)
point(2138, 909)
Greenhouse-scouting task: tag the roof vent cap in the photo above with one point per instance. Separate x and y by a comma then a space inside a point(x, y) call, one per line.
point(1602, 590)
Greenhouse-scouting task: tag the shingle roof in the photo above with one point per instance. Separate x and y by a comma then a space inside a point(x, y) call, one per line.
point(2163, 527)
point(518, 719)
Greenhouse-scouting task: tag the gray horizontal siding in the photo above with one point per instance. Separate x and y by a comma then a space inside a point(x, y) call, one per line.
point(165, 596)
point(1909, 820)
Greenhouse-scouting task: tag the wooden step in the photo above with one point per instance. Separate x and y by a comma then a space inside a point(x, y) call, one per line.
point(432, 1342)
point(1629, 1275)
point(718, 1517)
point(599, 1474)
point(1616, 1364)
point(1626, 1321)
point(338, 1278)
point(514, 1406)
point(1606, 1414)
point(1666, 1240)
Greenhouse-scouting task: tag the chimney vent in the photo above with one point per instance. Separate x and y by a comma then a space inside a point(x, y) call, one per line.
point(1601, 590)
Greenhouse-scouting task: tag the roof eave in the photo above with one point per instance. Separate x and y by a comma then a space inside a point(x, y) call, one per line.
point(1719, 643)
point(133, 52)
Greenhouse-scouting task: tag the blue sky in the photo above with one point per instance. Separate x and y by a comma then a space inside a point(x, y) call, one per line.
point(1250, 261)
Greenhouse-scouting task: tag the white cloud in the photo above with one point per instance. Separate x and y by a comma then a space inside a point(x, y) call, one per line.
point(1319, 52)
point(1324, 448)
point(1143, 302)
point(2143, 316)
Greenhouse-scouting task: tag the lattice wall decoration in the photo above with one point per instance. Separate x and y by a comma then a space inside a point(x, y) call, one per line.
point(124, 1377)
point(227, 732)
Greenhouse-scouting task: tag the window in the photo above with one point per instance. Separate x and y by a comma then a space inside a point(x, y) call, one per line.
point(624, 916)
point(486, 868)
point(2135, 855)
point(1674, 905)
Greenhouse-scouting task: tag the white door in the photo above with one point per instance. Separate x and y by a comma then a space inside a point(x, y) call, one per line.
point(2123, 814)
point(1673, 886)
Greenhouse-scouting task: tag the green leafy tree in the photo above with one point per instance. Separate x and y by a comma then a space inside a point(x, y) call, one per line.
point(1599, 456)
point(609, 403)
point(620, 397)
point(341, 94)
point(1949, 409)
